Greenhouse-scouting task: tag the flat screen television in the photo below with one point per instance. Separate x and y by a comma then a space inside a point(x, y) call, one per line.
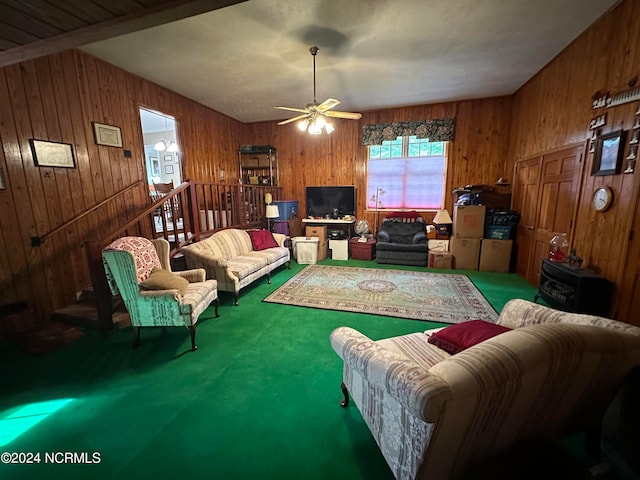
point(335, 201)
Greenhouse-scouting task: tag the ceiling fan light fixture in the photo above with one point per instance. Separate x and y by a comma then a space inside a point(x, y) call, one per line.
point(313, 118)
point(160, 145)
point(173, 147)
point(314, 128)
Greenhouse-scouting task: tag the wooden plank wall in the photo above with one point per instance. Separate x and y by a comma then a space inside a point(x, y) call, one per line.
point(554, 110)
point(478, 154)
point(56, 98)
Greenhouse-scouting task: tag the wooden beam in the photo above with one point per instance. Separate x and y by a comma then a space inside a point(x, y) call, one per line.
point(151, 17)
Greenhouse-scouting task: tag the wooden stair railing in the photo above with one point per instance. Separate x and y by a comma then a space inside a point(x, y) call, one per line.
point(188, 213)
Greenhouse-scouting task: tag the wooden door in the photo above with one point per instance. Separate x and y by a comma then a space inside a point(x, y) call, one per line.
point(557, 201)
point(629, 290)
point(546, 197)
point(525, 202)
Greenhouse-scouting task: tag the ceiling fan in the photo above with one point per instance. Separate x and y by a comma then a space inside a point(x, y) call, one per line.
point(312, 115)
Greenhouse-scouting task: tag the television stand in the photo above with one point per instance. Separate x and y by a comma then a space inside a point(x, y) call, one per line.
point(346, 225)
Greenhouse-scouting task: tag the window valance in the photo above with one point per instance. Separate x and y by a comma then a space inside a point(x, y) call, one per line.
point(440, 130)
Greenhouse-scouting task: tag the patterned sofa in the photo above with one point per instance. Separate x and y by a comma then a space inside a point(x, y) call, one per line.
point(436, 415)
point(228, 256)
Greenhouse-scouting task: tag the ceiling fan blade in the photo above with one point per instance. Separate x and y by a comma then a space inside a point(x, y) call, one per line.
point(349, 115)
point(328, 104)
point(293, 119)
point(291, 109)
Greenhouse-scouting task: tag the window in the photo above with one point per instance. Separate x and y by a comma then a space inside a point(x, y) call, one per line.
point(408, 172)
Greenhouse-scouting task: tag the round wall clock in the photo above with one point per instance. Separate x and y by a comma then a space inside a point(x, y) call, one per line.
point(602, 199)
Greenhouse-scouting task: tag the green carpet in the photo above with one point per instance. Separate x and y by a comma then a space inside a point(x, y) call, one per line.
point(447, 298)
point(259, 399)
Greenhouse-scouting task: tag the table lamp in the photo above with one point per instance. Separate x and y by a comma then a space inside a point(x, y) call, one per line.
point(271, 210)
point(443, 223)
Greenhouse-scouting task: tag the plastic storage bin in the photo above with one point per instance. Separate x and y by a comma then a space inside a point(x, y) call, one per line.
point(286, 208)
point(339, 249)
point(305, 249)
point(281, 226)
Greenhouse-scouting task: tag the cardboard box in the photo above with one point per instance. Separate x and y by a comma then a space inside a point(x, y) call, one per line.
point(323, 249)
point(438, 245)
point(468, 221)
point(264, 161)
point(495, 255)
point(440, 260)
point(319, 231)
point(466, 252)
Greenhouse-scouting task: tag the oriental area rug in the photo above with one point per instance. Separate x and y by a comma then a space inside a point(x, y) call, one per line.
point(436, 297)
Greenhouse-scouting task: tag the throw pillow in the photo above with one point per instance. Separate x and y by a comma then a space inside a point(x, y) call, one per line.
point(160, 279)
point(406, 217)
point(461, 336)
point(262, 239)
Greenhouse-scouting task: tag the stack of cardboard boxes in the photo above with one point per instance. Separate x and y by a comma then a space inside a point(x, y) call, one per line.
point(468, 249)
point(439, 255)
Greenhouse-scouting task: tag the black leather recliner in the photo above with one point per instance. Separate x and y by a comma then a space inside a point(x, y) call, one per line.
point(402, 243)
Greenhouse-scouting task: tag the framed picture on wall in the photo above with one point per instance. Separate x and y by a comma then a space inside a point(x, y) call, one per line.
point(168, 158)
point(168, 169)
point(608, 154)
point(107, 135)
point(52, 154)
point(155, 166)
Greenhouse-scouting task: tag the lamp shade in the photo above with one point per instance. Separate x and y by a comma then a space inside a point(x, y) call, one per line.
point(272, 211)
point(442, 218)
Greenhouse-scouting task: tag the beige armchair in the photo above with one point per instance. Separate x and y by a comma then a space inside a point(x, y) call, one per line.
point(435, 415)
point(139, 270)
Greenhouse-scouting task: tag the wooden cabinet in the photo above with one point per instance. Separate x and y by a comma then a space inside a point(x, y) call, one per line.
point(258, 165)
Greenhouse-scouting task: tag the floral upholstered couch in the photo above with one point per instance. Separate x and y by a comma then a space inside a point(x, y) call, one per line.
point(437, 415)
point(235, 257)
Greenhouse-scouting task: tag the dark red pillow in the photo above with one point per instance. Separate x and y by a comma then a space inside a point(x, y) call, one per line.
point(262, 239)
point(463, 335)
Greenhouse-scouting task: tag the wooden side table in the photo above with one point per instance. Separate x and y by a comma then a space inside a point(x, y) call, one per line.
point(363, 250)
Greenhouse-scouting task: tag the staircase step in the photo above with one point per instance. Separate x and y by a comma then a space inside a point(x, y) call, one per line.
point(80, 314)
point(86, 315)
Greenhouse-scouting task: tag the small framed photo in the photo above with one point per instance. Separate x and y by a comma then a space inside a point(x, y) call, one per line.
point(608, 155)
point(168, 158)
point(52, 154)
point(107, 135)
point(168, 169)
point(155, 166)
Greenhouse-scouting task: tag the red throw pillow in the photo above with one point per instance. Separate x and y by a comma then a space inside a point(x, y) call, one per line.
point(463, 335)
point(262, 239)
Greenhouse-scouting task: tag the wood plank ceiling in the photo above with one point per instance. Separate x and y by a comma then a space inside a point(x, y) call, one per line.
point(34, 28)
